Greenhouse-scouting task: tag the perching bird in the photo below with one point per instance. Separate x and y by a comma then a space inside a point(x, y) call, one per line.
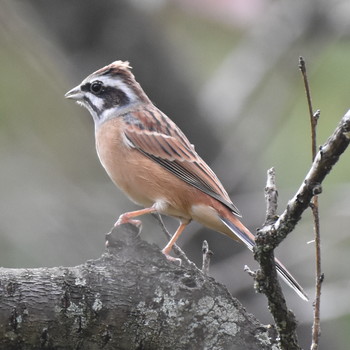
point(150, 159)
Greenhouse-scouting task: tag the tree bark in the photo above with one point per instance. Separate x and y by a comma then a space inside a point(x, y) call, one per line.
point(129, 298)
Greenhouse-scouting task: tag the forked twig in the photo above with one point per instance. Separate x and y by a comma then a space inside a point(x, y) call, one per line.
point(266, 278)
point(270, 236)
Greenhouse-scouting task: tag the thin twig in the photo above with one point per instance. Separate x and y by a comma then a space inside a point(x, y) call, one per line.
point(313, 120)
point(316, 327)
point(271, 195)
point(249, 271)
point(207, 254)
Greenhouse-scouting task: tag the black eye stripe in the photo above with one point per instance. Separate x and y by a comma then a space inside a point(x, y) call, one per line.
point(85, 87)
point(108, 90)
point(96, 87)
point(114, 97)
point(111, 96)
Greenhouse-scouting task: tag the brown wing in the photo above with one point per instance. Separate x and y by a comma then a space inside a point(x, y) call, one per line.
point(155, 135)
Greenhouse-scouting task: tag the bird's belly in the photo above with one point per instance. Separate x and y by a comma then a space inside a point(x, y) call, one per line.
point(126, 175)
point(143, 180)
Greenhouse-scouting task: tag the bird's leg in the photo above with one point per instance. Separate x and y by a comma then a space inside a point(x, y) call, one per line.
point(174, 238)
point(127, 217)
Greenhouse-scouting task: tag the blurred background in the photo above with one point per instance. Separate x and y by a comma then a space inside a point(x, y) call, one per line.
point(226, 71)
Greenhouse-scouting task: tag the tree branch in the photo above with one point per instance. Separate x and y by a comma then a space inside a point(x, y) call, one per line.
point(325, 159)
point(129, 298)
point(270, 236)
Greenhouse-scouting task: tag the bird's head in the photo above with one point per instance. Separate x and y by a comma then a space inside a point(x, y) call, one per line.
point(109, 92)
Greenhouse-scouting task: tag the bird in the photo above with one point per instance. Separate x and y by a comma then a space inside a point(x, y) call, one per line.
point(151, 160)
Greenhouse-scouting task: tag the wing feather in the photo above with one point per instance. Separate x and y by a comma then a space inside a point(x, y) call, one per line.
point(157, 137)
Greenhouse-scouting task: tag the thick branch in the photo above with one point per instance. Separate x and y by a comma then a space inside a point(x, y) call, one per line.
point(130, 298)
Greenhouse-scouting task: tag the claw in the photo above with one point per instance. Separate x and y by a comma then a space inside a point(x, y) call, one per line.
point(124, 219)
point(171, 258)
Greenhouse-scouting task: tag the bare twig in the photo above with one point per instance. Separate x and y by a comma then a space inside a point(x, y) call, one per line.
point(266, 278)
point(207, 254)
point(271, 195)
point(316, 327)
point(249, 271)
point(325, 159)
point(284, 318)
point(313, 120)
point(270, 236)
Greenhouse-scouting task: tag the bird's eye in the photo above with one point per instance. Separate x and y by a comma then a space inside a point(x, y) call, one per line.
point(96, 87)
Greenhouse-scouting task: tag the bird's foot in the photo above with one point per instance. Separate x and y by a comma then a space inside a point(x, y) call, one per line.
point(125, 219)
point(171, 258)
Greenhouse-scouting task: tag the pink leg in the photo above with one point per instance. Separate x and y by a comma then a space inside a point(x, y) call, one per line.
point(126, 217)
point(174, 238)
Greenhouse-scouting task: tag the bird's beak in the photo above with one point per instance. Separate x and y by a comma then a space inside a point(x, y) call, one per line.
point(74, 94)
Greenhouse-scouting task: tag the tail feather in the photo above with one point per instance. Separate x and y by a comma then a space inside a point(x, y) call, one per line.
point(249, 240)
point(290, 280)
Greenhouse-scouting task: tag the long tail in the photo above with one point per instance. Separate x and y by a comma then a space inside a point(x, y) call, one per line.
point(248, 239)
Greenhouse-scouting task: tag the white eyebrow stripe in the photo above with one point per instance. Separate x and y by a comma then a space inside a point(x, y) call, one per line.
point(118, 84)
